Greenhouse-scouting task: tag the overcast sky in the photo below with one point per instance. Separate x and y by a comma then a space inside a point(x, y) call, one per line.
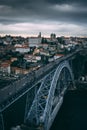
point(29, 17)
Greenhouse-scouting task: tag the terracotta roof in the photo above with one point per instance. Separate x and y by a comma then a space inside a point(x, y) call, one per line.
point(4, 65)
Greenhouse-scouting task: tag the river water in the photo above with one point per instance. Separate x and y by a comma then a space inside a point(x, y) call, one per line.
point(73, 113)
point(71, 116)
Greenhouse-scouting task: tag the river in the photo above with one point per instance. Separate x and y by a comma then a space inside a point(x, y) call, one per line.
point(71, 116)
point(73, 113)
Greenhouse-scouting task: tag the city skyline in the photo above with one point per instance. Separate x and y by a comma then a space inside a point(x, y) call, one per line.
point(28, 17)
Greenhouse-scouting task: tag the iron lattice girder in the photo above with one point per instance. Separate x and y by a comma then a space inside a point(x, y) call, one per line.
point(39, 101)
point(41, 107)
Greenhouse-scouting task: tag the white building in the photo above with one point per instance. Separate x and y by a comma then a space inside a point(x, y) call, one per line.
point(32, 58)
point(5, 67)
point(22, 48)
point(35, 41)
point(44, 52)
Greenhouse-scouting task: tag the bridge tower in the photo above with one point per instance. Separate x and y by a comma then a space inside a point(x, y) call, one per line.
point(49, 97)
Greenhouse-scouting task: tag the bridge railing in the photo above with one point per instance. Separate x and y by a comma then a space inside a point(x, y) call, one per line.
point(14, 87)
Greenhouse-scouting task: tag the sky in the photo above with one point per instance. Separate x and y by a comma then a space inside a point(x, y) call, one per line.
point(29, 17)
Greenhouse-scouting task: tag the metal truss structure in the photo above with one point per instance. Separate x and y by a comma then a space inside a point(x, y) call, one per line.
point(49, 96)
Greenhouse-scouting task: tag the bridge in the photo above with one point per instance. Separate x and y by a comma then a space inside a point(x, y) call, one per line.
point(45, 89)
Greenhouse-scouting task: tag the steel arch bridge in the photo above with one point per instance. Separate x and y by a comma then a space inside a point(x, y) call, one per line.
point(49, 97)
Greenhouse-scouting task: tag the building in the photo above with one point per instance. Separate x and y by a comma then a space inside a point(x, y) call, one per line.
point(53, 36)
point(44, 52)
point(7, 40)
point(5, 67)
point(39, 35)
point(36, 51)
point(16, 70)
point(35, 41)
point(22, 48)
point(45, 46)
point(13, 59)
point(32, 58)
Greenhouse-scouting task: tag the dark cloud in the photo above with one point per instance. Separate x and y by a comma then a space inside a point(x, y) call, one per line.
point(20, 3)
point(80, 2)
point(42, 11)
